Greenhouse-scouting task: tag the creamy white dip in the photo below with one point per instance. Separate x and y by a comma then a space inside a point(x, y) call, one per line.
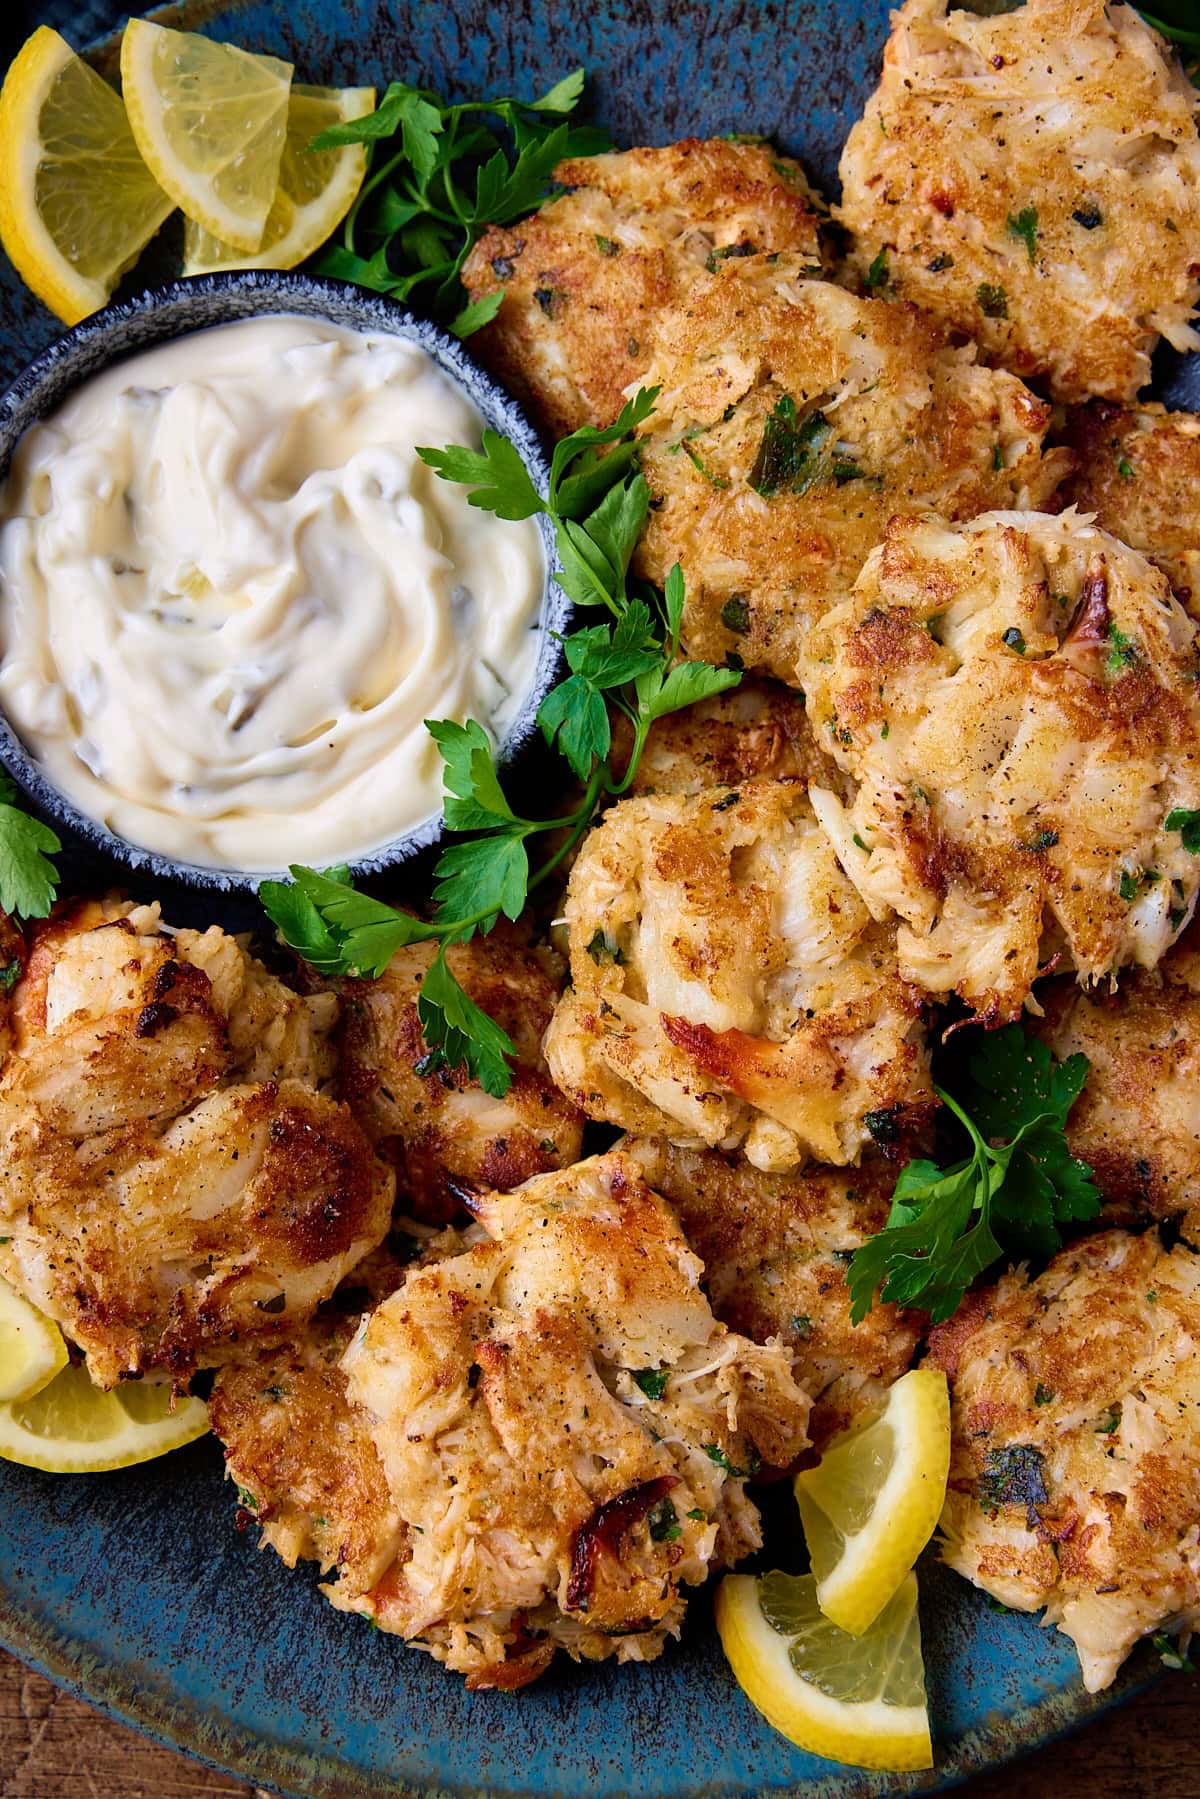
point(231, 593)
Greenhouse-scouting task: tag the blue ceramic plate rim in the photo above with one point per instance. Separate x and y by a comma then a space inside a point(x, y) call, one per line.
point(204, 302)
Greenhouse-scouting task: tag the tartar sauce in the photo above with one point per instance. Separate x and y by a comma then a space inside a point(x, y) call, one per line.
point(231, 593)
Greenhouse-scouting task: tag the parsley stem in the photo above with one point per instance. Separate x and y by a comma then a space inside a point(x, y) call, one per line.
point(582, 819)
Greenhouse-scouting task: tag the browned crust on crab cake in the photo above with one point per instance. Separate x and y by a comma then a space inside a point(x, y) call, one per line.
point(586, 279)
point(1032, 179)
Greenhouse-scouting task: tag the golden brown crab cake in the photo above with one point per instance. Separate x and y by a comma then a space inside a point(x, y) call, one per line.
point(794, 420)
point(1015, 701)
point(775, 1249)
point(730, 988)
point(163, 1248)
point(1032, 178)
point(117, 1019)
point(299, 1452)
point(1075, 1460)
point(303, 1460)
point(756, 731)
point(565, 1431)
point(435, 1126)
point(587, 279)
point(1137, 1121)
point(1139, 473)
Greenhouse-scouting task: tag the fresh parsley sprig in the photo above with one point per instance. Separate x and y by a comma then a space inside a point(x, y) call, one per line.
point(597, 501)
point(28, 878)
point(438, 177)
point(1013, 1193)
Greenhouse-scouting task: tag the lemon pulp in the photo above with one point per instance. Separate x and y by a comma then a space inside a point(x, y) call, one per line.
point(73, 1427)
point(77, 203)
point(316, 188)
point(871, 1504)
point(210, 121)
point(852, 1699)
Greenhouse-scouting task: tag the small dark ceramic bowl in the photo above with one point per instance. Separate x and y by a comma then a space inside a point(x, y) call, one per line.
point(163, 313)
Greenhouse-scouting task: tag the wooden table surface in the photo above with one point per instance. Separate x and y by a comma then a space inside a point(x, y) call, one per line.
point(52, 1747)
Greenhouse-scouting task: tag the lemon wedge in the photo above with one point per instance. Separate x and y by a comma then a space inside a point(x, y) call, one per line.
point(72, 1427)
point(871, 1504)
point(210, 121)
point(31, 1347)
point(316, 188)
point(853, 1699)
point(77, 203)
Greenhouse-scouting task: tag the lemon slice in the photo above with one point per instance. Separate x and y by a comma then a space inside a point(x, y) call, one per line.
point(31, 1347)
point(72, 1427)
point(77, 203)
point(870, 1505)
point(210, 121)
point(316, 188)
point(853, 1699)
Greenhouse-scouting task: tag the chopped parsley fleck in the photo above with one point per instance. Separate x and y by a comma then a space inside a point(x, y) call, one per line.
point(735, 613)
point(1014, 639)
point(1013, 1476)
point(789, 457)
point(801, 1325)
point(10, 974)
point(864, 847)
point(1171, 1655)
point(664, 1523)
point(998, 461)
point(883, 730)
point(1108, 1423)
point(877, 275)
point(551, 301)
point(1088, 216)
point(1130, 884)
point(998, 1606)
point(607, 246)
point(1025, 226)
point(884, 1124)
point(603, 949)
point(717, 257)
point(246, 1500)
point(716, 1454)
point(1151, 1295)
point(694, 456)
point(1123, 651)
point(652, 1381)
point(1042, 1395)
point(940, 262)
point(1188, 825)
point(993, 301)
point(699, 1516)
point(1124, 468)
point(1042, 840)
point(731, 799)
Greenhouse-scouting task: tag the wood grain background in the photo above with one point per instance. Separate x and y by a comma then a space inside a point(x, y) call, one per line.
point(53, 1747)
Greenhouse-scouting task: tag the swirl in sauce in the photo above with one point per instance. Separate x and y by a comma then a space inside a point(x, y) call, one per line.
point(231, 593)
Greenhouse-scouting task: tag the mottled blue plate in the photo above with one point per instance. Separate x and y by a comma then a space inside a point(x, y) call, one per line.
point(135, 1589)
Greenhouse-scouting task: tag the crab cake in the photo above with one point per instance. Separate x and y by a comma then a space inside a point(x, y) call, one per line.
point(1032, 179)
point(1139, 472)
point(775, 1248)
point(1015, 700)
point(436, 1126)
point(794, 420)
point(564, 1430)
point(1137, 1121)
point(159, 1198)
point(758, 730)
point(301, 1455)
point(587, 279)
point(730, 988)
point(1075, 1459)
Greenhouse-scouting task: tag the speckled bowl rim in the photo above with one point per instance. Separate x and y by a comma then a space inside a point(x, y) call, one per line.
point(201, 302)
